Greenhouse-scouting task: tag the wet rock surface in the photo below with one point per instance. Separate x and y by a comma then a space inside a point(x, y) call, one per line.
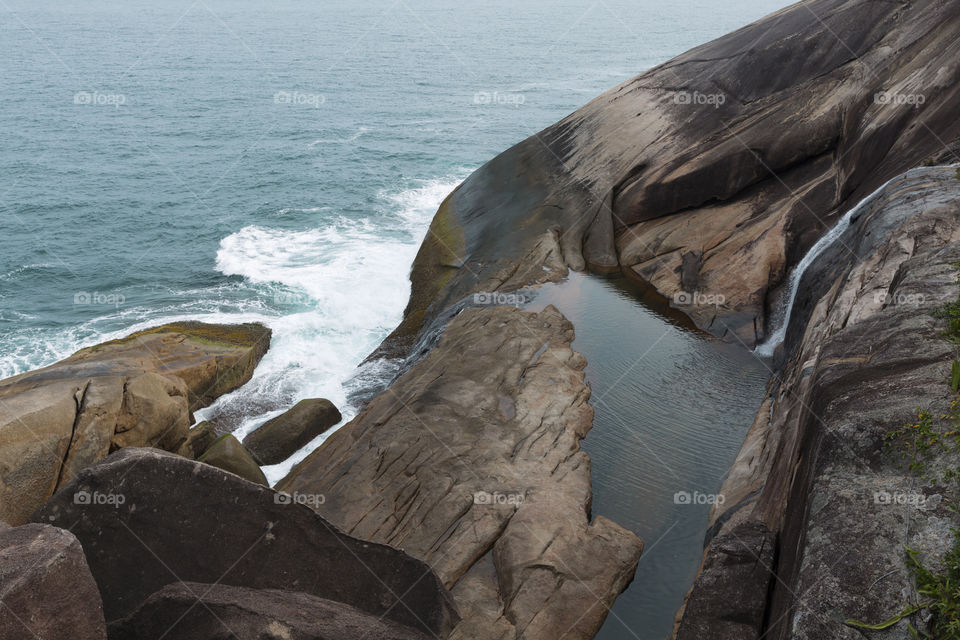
point(868, 351)
point(279, 438)
point(137, 391)
point(471, 462)
point(713, 173)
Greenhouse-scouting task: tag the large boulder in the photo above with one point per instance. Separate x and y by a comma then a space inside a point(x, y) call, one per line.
point(147, 518)
point(46, 590)
point(229, 454)
point(710, 175)
point(137, 391)
point(472, 462)
point(200, 438)
point(192, 611)
point(279, 438)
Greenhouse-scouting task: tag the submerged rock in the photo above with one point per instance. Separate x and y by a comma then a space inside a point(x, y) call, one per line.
point(471, 461)
point(46, 590)
point(192, 611)
point(137, 391)
point(279, 438)
point(229, 454)
point(151, 518)
point(710, 175)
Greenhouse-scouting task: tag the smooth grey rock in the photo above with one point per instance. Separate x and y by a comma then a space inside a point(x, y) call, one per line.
point(279, 438)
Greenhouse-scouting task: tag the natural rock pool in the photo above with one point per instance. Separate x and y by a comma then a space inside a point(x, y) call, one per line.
point(673, 405)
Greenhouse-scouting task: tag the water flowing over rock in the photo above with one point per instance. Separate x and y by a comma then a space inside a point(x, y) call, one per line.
point(864, 352)
point(710, 175)
point(150, 518)
point(471, 461)
point(137, 391)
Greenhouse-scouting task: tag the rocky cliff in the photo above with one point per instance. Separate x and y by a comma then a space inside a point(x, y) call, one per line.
point(852, 457)
point(710, 174)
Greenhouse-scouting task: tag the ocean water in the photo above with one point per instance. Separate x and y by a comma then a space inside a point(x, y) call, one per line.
point(234, 161)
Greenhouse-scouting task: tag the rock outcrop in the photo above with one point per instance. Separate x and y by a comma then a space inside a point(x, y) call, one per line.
point(138, 391)
point(279, 438)
point(192, 611)
point(200, 438)
point(150, 518)
point(709, 175)
point(471, 462)
point(821, 471)
point(46, 590)
point(229, 454)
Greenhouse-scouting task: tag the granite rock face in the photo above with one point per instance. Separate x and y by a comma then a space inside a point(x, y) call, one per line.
point(138, 391)
point(192, 611)
point(864, 352)
point(150, 518)
point(279, 438)
point(229, 454)
point(46, 589)
point(710, 175)
point(471, 462)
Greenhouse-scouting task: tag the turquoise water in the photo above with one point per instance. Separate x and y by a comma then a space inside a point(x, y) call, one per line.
point(231, 160)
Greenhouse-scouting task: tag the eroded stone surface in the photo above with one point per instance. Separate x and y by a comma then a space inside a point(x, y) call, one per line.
point(138, 391)
point(471, 461)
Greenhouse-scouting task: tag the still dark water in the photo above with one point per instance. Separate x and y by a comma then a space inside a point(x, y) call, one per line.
point(672, 408)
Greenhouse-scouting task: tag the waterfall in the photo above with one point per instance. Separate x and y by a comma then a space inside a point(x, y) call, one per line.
point(769, 346)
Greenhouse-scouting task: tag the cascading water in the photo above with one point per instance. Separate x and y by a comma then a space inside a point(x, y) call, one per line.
point(769, 346)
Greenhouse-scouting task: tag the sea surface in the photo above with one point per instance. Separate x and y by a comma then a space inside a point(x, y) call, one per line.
point(236, 161)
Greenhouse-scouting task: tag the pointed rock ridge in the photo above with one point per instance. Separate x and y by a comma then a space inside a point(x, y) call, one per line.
point(147, 518)
point(744, 150)
point(471, 461)
point(816, 475)
point(136, 391)
point(46, 589)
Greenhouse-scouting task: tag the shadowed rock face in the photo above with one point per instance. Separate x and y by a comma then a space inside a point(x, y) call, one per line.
point(46, 589)
point(138, 391)
point(191, 611)
point(865, 353)
point(713, 172)
point(471, 461)
point(180, 520)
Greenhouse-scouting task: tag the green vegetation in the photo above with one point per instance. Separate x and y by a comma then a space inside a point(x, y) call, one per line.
point(951, 313)
point(917, 445)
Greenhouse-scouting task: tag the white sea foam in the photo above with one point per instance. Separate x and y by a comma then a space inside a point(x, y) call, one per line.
point(348, 284)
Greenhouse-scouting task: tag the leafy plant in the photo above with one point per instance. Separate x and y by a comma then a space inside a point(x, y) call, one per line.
point(955, 376)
